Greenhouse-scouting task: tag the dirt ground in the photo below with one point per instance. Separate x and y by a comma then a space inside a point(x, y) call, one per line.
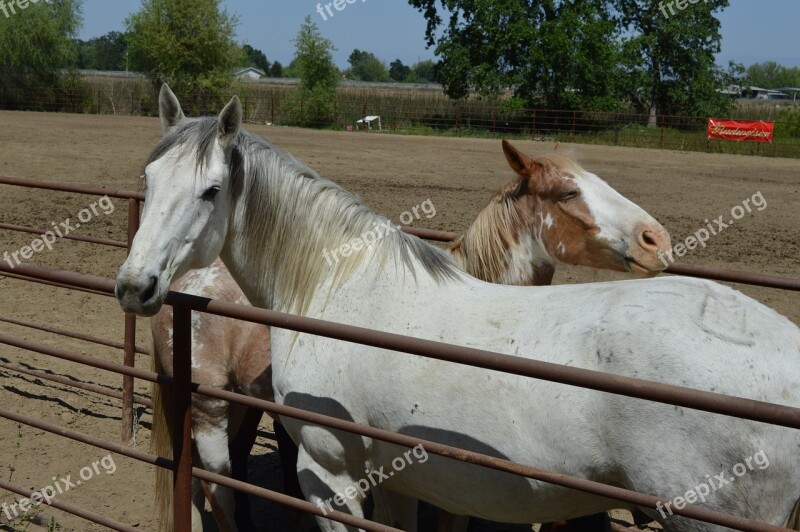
point(392, 173)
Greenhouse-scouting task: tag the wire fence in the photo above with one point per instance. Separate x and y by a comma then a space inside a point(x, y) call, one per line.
point(405, 112)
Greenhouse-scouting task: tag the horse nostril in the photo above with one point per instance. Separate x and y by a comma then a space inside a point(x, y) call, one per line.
point(148, 294)
point(648, 240)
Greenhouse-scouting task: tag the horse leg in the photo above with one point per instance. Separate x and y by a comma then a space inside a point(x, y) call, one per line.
point(287, 452)
point(198, 504)
point(327, 490)
point(239, 448)
point(210, 428)
point(452, 523)
point(395, 510)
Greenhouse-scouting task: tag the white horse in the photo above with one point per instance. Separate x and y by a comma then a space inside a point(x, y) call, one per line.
point(504, 244)
point(215, 189)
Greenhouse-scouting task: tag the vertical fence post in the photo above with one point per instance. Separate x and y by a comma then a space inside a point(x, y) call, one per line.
point(130, 339)
point(182, 420)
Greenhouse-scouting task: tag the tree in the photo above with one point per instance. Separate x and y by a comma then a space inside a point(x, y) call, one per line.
point(365, 66)
point(669, 65)
point(558, 53)
point(256, 58)
point(188, 44)
point(35, 45)
point(772, 75)
point(424, 71)
point(319, 77)
point(108, 52)
point(276, 70)
point(398, 71)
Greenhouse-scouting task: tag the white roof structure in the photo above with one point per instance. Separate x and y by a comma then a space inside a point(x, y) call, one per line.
point(368, 120)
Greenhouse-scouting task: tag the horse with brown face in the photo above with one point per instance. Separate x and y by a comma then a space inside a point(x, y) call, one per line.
point(532, 223)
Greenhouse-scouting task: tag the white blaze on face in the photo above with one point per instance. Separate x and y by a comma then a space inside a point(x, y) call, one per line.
point(615, 215)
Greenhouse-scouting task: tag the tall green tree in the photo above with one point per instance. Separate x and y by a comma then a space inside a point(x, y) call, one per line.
point(319, 77)
point(772, 75)
point(365, 66)
point(276, 70)
point(188, 44)
point(108, 52)
point(256, 58)
point(36, 43)
point(398, 71)
point(424, 71)
point(669, 63)
point(558, 53)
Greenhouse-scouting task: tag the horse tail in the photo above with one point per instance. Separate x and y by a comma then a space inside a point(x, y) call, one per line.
point(161, 443)
point(793, 521)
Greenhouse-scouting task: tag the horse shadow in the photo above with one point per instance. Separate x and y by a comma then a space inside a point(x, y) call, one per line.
point(265, 470)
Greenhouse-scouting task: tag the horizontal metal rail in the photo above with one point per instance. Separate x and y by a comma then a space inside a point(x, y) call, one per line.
point(51, 283)
point(72, 509)
point(732, 276)
point(407, 441)
point(689, 270)
point(705, 272)
point(627, 386)
point(164, 462)
point(82, 359)
point(86, 386)
point(71, 334)
point(597, 488)
point(76, 188)
point(71, 236)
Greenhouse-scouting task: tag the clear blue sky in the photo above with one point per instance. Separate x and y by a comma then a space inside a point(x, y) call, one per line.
point(753, 31)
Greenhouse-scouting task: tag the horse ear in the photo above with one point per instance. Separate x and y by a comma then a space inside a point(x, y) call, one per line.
point(230, 121)
point(558, 147)
point(169, 108)
point(518, 161)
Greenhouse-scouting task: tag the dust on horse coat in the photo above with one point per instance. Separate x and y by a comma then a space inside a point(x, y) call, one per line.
point(213, 187)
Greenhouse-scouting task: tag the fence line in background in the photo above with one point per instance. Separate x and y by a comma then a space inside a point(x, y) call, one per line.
point(435, 115)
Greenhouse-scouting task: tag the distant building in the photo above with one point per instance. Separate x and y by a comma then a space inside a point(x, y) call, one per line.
point(249, 73)
point(759, 93)
point(791, 91)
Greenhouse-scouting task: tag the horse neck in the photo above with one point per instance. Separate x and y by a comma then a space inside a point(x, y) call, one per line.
point(501, 246)
point(285, 225)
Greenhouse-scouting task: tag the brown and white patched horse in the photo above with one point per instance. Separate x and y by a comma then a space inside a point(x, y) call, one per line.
point(531, 224)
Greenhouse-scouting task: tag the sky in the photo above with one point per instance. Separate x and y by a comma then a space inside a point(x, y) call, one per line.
point(752, 31)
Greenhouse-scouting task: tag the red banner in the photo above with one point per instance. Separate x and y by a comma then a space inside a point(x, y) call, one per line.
point(740, 131)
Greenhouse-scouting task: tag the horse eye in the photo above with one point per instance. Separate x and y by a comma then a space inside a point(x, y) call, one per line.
point(568, 196)
point(211, 193)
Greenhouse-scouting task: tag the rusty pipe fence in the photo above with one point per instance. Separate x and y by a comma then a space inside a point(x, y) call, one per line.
point(129, 345)
point(184, 305)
